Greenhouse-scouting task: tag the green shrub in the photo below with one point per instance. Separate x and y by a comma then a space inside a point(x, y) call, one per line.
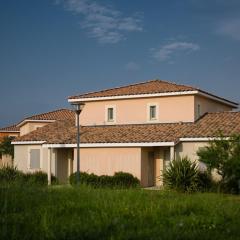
point(125, 179)
point(181, 175)
point(10, 175)
point(204, 181)
point(38, 178)
point(105, 181)
point(85, 178)
point(118, 180)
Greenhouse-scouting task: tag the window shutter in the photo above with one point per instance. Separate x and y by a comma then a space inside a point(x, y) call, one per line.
point(35, 158)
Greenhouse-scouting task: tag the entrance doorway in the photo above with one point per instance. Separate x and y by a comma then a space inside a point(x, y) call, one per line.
point(150, 169)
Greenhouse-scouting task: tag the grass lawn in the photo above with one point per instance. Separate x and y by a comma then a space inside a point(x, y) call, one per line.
point(85, 213)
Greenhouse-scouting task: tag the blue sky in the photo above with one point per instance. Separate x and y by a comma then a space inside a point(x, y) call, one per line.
point(51, 49)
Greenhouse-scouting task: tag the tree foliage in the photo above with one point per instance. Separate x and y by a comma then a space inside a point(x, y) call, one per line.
point(223, 155)
point(6, 148)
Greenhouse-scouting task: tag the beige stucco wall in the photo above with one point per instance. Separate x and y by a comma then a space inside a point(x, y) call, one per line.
point(107, 161)
point(31, 126)
point(130, 111)
point(189, 149)
point(61, 160)
point(209, 105)
point(21, 158)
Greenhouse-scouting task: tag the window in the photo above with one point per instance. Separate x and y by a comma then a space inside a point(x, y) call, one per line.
point(198, 111)
point(110, 116)
point(34, 159)
point(152, 112)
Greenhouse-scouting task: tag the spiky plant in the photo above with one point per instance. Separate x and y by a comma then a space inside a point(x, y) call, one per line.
point(181, 174)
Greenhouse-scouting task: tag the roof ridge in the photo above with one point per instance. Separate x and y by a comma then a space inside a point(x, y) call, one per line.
point(134, 84)
point(178, 84)
point(113, 88)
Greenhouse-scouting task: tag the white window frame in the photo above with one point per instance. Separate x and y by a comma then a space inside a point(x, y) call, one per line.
point(148, 112)
point(114, 114)
point(28, 163)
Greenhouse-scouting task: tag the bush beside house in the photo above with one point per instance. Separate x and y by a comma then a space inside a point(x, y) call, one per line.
point(10, 175)
point(183, 175)
point(118, 180)
point(221, 157)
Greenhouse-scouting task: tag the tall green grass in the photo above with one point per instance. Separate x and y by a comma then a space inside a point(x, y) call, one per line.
point(86, 213)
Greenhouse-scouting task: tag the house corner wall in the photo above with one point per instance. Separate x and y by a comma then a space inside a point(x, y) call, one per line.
point(21, 157)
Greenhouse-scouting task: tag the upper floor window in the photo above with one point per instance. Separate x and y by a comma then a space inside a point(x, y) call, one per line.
point(110, 114)
point(198, 111)
point(152, 112)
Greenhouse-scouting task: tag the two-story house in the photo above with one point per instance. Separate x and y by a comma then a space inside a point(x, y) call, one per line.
point(137, 129)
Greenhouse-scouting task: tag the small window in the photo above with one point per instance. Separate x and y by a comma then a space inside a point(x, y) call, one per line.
point(198, 111)
point(153, 112)
point(34, 159)
point(110, 115)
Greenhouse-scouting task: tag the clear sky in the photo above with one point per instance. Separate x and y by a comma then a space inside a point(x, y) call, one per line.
point(51, 49)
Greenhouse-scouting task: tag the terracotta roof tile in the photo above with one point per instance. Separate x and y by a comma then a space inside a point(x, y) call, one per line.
point(12, 128)
point(60, 114)
point(211, 124)
point(64, 132)
point(153, 86)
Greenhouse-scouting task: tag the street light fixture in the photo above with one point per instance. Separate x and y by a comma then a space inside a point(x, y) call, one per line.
point(78, 107)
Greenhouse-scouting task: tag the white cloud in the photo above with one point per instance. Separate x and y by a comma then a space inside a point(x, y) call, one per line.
point(167, 51)
point(104, 23)
point(132, 66)
point(230, 28)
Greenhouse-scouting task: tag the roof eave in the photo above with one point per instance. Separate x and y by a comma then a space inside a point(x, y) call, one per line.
point(218, 99)
point(180, 93)
point(27, 142)
point(104, 145)
point(7, 131)
point(31, 120)
point(147, 95)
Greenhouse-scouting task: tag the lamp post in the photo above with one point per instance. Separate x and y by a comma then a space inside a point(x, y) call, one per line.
point(78, 107)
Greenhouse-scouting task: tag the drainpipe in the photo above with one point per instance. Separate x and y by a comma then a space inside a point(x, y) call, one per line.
point(49, 165)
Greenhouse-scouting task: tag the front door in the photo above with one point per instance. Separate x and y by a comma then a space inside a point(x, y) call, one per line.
point(150, 169)
point(62, 165)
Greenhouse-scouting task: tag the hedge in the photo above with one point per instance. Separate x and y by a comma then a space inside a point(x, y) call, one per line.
point(10, 175)
point(118, 180)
